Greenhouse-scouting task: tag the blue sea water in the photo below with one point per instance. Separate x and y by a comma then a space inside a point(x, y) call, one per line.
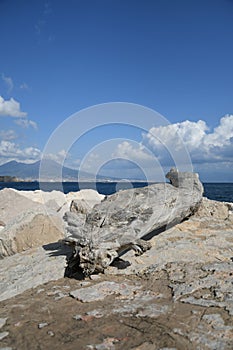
point(222, 192)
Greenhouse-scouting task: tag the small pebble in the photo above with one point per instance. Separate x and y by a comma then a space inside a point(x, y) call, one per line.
point(195, 312)
point(54, 292)
point(85, 283)
point(40, 290)
point(95, 313)
point(42, 325)
point(2, 322)
point(77, 317)
point(95, 277)
point(3, 335)
point(51, 333)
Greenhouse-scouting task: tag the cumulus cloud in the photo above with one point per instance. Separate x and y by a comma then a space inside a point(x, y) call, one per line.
point(26, 123)
point(222, 135)
point(186, 145)
point(12, 151)
point(133, 152)
point(7, 135)
point(202, 144)
point(11, 108)
point(122, 159)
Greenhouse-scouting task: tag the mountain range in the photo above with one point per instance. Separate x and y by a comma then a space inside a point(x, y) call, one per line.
point(51, 171)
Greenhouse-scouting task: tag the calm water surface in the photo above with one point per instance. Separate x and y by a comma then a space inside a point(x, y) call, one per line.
point(218, 191)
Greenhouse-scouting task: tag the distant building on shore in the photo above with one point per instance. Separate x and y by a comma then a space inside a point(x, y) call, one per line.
point(8, 179)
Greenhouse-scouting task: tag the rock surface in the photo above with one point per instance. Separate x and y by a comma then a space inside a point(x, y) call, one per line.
point(29, 230)
point(84, 200)
point(31, 268)
point(177, 295)
point(32, 218)
point(122, 219)
point(12, 204)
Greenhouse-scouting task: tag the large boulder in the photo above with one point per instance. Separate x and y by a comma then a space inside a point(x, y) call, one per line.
point(32, 218)
point(13, 203)
point(31, 268)
point(122, 219)
point(57, 202)
point(53, 203)
point(84, 200)
point(29, 230)
point(214, 210)
point(184, 252)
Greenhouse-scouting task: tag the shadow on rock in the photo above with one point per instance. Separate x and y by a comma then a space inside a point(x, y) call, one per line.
point(57, 249)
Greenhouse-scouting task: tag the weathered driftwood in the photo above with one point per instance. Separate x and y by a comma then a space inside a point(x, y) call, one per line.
point(121, 220)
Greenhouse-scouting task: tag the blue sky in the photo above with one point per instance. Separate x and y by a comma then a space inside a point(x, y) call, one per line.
point(175, 57)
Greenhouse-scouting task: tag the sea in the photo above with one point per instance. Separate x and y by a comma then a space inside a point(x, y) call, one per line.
point(222, 192)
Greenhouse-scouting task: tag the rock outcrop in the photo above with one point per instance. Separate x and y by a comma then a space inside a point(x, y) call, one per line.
point(31, 268)
point(30, 219)
point(185, 275)
point(29, 230)
point(187, 250)
point(122, 219)
point(12, 204)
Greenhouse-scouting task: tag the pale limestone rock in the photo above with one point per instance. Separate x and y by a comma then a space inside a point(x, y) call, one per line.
point(12, 204)
point(31, 268)
point(215, 210)
point(2, 322)
point(101, 290)
point(122, 219)
point(89, 196)
point(30, 229)
point(42, 197)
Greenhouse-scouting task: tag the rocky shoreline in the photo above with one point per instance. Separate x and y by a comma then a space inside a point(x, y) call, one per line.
point(176, 295)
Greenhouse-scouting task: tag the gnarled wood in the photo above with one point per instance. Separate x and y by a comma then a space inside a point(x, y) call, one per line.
point(124, 218)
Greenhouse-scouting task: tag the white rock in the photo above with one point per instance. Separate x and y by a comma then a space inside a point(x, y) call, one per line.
point(14, 204)
point(30, 269)
point(42, 325)
point(2, 322)
point(88, 195)
point(28, 230)
point(3, 335)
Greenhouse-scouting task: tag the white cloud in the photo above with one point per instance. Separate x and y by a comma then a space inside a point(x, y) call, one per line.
point(133, 152)
point(58, 157)
point(185, 145)
point(10, 108)
point(9, 82)
point(7, 135)
point(26, 123)
point(121, 158)
point(203, 145)
point(223, 133)
point(176, 135)
point(12, 151)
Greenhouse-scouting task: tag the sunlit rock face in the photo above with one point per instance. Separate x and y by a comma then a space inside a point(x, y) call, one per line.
point(122, 219)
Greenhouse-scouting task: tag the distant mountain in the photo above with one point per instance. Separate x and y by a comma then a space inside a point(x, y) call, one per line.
point(51, 171)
